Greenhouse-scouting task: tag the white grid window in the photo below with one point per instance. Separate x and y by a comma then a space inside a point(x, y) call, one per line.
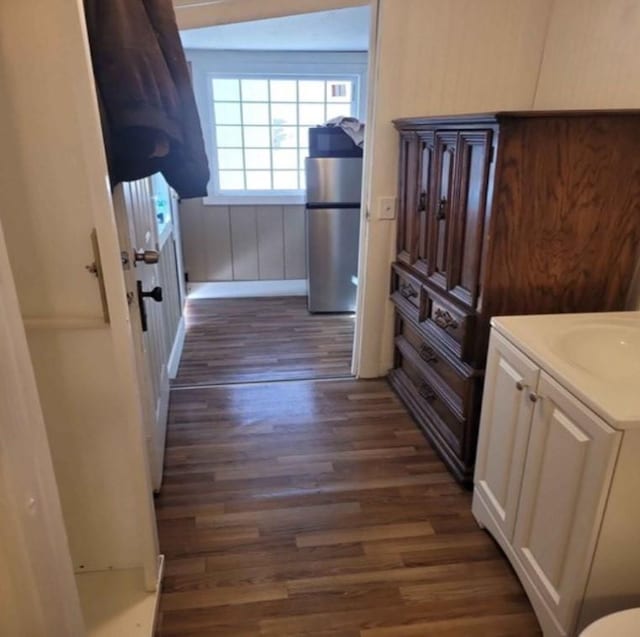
point(260, 129)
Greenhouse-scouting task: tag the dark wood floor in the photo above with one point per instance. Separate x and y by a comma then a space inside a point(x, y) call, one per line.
point(317, 509)
point(248, 340)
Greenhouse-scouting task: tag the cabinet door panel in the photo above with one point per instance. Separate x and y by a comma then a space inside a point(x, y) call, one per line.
point(426, 162)
point(467, 214)
point(504, 430)
point(568, 468)
point(439, 206)
point(408, 199)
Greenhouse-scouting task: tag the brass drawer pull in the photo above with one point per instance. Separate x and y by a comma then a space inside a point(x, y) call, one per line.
point(427, 393)
point(407, 291)
point(428, 354)
point(444, 320)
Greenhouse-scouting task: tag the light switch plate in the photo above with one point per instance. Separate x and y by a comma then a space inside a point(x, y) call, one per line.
point(387, 208)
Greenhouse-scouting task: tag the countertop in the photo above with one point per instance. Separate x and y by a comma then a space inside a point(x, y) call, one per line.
point(614, 393)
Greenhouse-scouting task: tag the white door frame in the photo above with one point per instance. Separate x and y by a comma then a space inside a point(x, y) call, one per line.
point(38, 594)
point(191, 14)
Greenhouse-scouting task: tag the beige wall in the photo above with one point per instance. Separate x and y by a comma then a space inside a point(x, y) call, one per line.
point(592, 56)
point(436, 57)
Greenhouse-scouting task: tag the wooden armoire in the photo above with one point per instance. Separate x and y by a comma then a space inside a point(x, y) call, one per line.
point(503, 214)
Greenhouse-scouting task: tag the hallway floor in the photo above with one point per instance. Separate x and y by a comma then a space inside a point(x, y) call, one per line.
point(318, 509)
point(249, 340)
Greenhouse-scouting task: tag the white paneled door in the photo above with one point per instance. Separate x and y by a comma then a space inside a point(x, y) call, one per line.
point(504, 430)
point(138, 234)
point(568, 468)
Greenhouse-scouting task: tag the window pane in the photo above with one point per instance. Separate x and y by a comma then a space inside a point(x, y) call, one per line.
point(258, 180)
point(311, 114)
point(304, 136)
point(302, 155)
point(284, 136)
point(227, 113)
point(258, 159)
point(226, 90)
point(339, 91)
point(283, 91)
point(285, 180)
point(255, 113)
point(284, 114)
point(255, 90)
point(229, 136)
point(311, 90)
point(283, 159)
point(230, 158)
point(303, 180)
point(338, 110)
point(231, 180)
point(257, 137)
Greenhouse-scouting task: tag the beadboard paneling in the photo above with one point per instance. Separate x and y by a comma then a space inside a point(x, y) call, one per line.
point(295, 242)
point(216, 228)
point(243, 243)
point(270, 242)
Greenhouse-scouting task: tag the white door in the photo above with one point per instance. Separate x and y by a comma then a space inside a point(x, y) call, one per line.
point(568, 468)
point(137, 232)
point(38, 595)
point(504, 430)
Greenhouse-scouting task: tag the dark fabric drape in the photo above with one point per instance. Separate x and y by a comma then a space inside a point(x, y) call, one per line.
point(149, 117)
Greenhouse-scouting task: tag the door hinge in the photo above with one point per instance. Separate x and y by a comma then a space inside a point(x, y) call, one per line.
point(186, 277)
point(492, 153)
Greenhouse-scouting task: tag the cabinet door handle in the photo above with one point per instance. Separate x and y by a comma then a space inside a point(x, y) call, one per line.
point(427, 393)
point(443, 319)
point(533, 397)
point(407, 291)
point(440, 211)
point(520, 385)
point(428, 354)
point(422, 201)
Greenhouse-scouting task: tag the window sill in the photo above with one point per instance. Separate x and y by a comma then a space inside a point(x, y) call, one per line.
point(258, 200)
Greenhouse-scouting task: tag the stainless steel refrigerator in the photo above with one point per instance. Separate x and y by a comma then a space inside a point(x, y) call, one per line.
point(333, 232)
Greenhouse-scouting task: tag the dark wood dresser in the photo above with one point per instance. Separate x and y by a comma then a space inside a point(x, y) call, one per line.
point(506, 213)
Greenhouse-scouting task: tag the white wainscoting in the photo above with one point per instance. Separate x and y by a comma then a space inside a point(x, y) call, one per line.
point(243, 243)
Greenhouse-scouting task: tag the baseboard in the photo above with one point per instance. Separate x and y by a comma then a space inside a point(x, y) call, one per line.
point(176, 351)
point(246, 289)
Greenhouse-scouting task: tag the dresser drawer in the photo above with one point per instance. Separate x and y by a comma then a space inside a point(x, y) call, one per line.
point(448, 323)
point(406, 291)
point(449, 426)
point(459, 379)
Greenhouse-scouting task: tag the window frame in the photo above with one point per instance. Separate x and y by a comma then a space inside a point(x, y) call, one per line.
point(275, 196)
point(299, 65)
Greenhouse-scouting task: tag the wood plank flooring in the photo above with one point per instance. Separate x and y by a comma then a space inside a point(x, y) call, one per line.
point(248, 340)
point(299, 509)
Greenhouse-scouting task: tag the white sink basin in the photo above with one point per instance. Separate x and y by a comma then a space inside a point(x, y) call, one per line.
point(609, 350)
point(596, 356)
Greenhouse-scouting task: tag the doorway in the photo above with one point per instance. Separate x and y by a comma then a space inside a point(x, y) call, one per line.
point(260, 86)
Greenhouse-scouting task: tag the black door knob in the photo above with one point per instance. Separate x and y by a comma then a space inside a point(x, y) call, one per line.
point(155, 294)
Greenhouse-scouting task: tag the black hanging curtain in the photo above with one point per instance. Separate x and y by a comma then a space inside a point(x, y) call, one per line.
point(149, 118)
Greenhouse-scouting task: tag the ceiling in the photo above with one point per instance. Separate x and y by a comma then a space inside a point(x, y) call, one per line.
point(338, 30)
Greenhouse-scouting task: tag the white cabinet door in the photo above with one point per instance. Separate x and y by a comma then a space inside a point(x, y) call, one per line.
point(504, 430)
point(568, 468)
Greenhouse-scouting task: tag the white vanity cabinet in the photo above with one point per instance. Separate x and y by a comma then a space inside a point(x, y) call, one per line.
point(556, 486)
